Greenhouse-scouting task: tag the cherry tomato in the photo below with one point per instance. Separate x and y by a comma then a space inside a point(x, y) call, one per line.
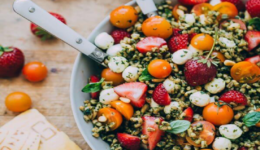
point(218, 55)
point(202, 41)
point(124, 17)
point(226, 8)
point(125, 109)
point(207, 134)
point(245, 72)
point(109, 75)
point(35, 71)
point(18, 102)
point(157, 26)
point(258, 124)
point(218, 113)
point(202, 8)
point(176, 11)
point(112, 115)
point(159, 68)
point(240, 22)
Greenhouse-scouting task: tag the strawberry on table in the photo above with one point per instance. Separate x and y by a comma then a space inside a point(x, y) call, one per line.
point(253, 39)
point(161, 96)
point(252, 6)
point(238, 3)
point(188, 114)
point(128, 141)
point(148, 43)
point(192, 2)
point(254, 60)
point(94, 79)
point(119, 34)
point(11, 61)
point(153, 136)
point(234, 96)
point(41, 33)
point(135, 91)
point(178, 42)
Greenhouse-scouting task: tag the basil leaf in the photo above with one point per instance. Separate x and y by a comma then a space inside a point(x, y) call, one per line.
point(251, 119)
point(93, 87)
point(145, 76)
point(179, 126)
point(255, 22)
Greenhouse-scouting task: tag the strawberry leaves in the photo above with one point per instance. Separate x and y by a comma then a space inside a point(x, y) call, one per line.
point(43, 34)
point(4, 49)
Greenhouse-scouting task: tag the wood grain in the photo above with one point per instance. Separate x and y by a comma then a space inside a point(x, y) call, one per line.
point(50, 97)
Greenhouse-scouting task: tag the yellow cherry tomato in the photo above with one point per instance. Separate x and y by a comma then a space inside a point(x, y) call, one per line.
point(124, 17)
point(157, 26)
point(202, 41)
point(159, 68)
point(112, 116)
point(226, 10)
point(218, 55)
point(125, 109)
point(202, 8)
point(18, 102)
point(109, 75)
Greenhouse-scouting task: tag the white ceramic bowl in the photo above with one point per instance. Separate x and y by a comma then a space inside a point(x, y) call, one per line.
point(83, 68)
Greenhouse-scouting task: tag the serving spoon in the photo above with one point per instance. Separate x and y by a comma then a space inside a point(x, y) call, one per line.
point(32, 12)
point(148, 7)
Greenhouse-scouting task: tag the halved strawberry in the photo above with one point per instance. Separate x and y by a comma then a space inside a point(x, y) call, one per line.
point(253, 39)
point(128, 141)
point(135, 91)
point(161, 96)
point(148, 43)
point(192, 2)
point(254, 60)
point(188, 114)
point(234, 96)
point(94, 79)
point(153, 136)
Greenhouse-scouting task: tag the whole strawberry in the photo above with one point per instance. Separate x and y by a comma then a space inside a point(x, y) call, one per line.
point(41, 33)
point(119, 34)
point(11, 62)
point(178, 42)
point(234, 96)
point(238, 3)
point(199, 71)
point(252, 6)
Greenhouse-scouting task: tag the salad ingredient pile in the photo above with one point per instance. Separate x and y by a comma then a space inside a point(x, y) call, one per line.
point(188, 78)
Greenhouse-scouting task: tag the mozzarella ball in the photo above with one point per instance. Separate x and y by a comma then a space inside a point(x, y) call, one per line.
point(130, 74)
point(104, 40)
point(154, 104)
point(107, 96)
point(167, 109)
point(215, 2)
point(221, 143)
point(180, 57)
point(190, 19)
point(203, 19)
point(200, 99)
point(195, 51)
point(118, 64)
point(227, 42)
point(169, 85)
point(230, 131)
point(113, 50)
point(215, 86)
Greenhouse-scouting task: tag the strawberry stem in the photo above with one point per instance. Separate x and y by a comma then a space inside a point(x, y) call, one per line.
point(214, 43)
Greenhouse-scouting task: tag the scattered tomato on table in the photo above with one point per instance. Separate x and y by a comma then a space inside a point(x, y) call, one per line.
point(35, 71)
point(18, 102)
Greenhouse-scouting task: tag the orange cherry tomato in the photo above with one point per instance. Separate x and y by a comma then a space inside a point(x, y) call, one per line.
point(207, 134)
point(18, 102)
point(157, 26)
point(202, 41)
point(112, 115)
point(35, 71)
point(109, 75)
point(226, 8)
point(124, 17)
point(258, 124)
point(202, 8)
point(125, 109)
point(245, 72)
point(159, 68)
point(218, 55)
point(218, 114)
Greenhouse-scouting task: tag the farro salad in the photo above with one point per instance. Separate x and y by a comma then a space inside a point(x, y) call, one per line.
point(185, 79)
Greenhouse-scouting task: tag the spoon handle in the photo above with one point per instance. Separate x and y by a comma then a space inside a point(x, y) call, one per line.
point(45, 20)
point(148, 7)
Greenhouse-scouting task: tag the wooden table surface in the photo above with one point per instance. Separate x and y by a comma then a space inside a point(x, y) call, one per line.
point(50, 97)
